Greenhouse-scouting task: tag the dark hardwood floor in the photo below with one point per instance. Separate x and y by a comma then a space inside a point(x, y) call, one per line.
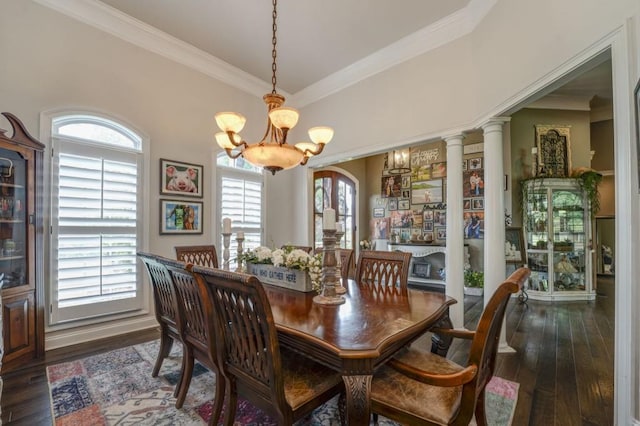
point(563, 362)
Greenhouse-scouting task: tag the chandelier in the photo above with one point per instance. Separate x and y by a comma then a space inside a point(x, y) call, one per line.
point(272, 152)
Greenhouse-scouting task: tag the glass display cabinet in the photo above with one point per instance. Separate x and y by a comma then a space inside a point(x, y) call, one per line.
point(21, 246)
point(557, 228)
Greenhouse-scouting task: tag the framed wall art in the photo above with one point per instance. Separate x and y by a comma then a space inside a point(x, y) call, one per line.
point(514, 246)
point(391, 186)
point(426, 191)
point(554, 150)
point(378, 212)
point(182, 179)
point(403, 204)
point(180, 217)
point(393, 204)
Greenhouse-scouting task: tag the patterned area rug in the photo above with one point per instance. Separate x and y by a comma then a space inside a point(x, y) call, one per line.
point(116, 388)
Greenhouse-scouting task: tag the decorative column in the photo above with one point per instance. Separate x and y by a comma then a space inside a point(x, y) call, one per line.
point(455, 259)
point(494, 232)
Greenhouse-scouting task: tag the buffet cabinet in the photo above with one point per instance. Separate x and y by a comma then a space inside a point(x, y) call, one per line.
point(21, 246)
point(557, 228)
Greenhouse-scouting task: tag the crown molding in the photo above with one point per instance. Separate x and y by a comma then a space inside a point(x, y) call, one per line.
point(123, 26)
point(446, 30)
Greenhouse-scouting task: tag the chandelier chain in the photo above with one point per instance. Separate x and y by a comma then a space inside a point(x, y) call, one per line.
point(274, 41)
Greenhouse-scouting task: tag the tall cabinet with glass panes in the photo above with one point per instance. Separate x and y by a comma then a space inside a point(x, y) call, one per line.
point(557, 229)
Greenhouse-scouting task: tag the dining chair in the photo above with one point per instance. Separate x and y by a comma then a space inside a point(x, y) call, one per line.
point(419, 387)
point(283, 383)
point(203, 255)
point(383, 268)
point(166, 308)
point(197, 330)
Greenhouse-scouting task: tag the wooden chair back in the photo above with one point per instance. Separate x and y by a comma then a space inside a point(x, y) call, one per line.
point(250, 356)
point(197, 329)
point(203, 255)
point(484, 346)
point(250, 350)
point(383, 268)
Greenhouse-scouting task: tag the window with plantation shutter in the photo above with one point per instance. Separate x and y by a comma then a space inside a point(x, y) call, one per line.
point(240, 187)
point(95, 217)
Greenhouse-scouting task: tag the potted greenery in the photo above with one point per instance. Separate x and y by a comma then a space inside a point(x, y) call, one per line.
point(473, 282)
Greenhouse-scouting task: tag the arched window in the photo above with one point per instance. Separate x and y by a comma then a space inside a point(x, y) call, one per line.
point(96, 209)
point(240, 189)
point(337, 191)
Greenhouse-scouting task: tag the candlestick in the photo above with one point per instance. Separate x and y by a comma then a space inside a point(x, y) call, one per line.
point(226, 239)
point(329, 219)
point(340, 288)
point(226, 226)
point(328, 296)
point(239, 240)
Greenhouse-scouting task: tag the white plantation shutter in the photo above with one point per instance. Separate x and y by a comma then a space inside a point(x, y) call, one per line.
point(95, 217)
point(241, 200)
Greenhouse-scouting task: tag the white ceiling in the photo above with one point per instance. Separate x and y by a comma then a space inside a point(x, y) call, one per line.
point(323, 45)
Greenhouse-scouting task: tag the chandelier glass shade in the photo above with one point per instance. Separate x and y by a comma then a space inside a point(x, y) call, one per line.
point(273, 153)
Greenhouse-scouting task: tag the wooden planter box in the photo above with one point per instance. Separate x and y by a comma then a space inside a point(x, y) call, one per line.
point(293, 279)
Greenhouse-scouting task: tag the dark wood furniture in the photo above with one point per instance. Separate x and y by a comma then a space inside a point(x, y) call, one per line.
point(346, 262)
point(203, 255)
point(166, 307)
point(21, 246)
point(197, 330)
point(359, 336)
point(383, 268)
point(281, 382)
point(419, 387)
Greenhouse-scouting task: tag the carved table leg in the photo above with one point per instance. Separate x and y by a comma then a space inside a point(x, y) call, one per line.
point(357, 390)
point(440, 344)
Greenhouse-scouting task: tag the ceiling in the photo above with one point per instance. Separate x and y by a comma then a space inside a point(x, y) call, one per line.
point(317, 41)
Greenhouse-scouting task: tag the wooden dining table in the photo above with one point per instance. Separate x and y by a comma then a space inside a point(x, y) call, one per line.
point(358, 336)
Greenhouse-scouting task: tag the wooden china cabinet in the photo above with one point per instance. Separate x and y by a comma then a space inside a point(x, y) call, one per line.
point(21, 246)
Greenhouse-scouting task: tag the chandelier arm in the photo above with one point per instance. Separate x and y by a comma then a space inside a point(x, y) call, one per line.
point(230, 135)
point(304, 160)
point(232, 156)
point(318, 150)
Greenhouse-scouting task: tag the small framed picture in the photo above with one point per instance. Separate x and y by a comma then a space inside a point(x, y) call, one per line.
point(440, 217)
point(427, 215)
point(441, 233)
point(378, 212)
point(464, 165)
point(475, 163)
point(182, 179)
point(466, 204)
point(180, 217)
point(406, 193)
point(393, 204)
point(403, 204)
point(406, 182)
point(427, 226)
point(477, 204)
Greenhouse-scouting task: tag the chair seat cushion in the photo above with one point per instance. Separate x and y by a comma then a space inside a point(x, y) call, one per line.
point(431, 403)
point(305, 379)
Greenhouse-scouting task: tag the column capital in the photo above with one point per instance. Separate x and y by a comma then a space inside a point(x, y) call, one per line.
point(455, 137)
point(491, 123)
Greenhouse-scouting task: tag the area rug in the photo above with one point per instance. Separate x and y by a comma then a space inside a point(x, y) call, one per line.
point(116, 388)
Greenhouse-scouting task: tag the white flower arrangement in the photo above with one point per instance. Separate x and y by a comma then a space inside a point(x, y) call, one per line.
point(365, 245)
point(288, 257)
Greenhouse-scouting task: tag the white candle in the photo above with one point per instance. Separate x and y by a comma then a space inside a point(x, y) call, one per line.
point(240, 235)
point(329, 219)
point(339, 227)
point(226, 225)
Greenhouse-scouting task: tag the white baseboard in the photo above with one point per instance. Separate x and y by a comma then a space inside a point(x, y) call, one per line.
point(74, 336)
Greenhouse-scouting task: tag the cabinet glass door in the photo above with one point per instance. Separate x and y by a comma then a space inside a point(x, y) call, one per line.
point(537, 240)
point(13, 224)
point(568, 230)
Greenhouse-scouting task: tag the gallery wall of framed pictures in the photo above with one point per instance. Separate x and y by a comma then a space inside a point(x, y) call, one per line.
point(183, 182)
point(414, 203)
